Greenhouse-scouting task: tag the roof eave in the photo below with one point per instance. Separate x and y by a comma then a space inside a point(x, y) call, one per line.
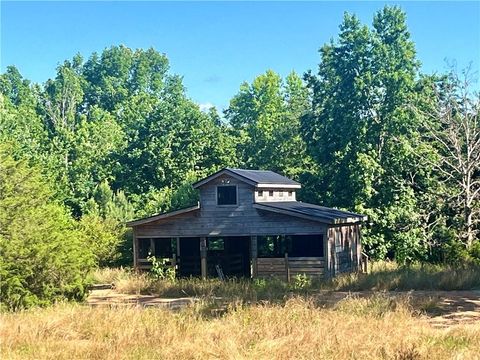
point(278, 186)
point(162, 216)
point(335, 221)
point(220, 173)
point(246, 180)
point(350, 220)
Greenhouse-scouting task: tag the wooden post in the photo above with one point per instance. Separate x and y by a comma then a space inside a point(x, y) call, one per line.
point(135, 250)
point(152, 247)
point(359, 245)
point(325, 252)
point(287, 267)
point(253, 255)
point(330, 254)
point(203, 256)
point(174, 260)
point(174, 264)
point(179, 260)
point(333, 251)
point(364, 263)
point(178, 247)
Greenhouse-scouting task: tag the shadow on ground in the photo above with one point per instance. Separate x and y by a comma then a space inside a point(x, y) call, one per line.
point(442, 308)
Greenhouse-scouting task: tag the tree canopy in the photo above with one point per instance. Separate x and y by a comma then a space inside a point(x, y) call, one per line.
point(115, 136)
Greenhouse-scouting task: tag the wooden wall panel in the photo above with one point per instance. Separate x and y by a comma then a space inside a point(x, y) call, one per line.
point(345, 249)
point(229, 220)
point(281, 267)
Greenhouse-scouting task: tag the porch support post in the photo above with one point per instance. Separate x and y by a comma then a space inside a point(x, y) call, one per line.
point(178, 247)
point(325, 252)
point(253, 255)
point(135, 249)
point(358, 237)
point(203, 256)
point(333, 250)
point(287, 268)
point(329, 232)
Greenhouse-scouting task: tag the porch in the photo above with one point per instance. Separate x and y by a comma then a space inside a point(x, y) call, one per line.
point(237, 256)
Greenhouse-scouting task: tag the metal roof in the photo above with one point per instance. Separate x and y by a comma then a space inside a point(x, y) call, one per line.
point(264, 176)
point(292, 208)
point(311, 211)
point(260, 178)
point(163, 215)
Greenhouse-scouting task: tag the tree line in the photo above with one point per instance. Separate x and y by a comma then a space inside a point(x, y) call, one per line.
point(115, 136)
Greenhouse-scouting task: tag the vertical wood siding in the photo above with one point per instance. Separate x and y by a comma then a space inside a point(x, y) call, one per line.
point(228, 220)
point(344, 249)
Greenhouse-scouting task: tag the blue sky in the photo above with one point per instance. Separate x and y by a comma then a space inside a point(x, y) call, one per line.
point(216, 46)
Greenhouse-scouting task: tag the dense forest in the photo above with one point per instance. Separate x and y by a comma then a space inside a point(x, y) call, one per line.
point(115, 136)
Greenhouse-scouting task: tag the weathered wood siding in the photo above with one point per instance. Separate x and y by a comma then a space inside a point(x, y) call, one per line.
point(275, 195)
point(344, 249)
point(291, 266)
point(228, 220)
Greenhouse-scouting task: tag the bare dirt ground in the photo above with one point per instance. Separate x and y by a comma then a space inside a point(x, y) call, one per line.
point(443, 308)
point(109, 297)
point(452, 307)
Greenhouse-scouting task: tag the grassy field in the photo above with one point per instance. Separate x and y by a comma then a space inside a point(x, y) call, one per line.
point(375, 328)
point(383, 276)
point(264, 319)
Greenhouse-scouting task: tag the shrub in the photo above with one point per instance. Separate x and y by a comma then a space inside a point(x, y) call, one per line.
point(103, 222)
point(42, 257)
point(160, 270)
point(106, 238)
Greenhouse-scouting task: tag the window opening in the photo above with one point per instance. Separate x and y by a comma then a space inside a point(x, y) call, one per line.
point(227, 195)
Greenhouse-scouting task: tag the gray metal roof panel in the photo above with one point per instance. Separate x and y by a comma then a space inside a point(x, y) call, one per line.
point(264, 177)
point(315, 211)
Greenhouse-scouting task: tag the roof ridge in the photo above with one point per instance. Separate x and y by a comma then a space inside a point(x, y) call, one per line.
point(253, 177)
point(229, 168)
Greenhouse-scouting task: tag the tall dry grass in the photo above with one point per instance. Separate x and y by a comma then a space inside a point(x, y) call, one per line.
point(377, 328)
point(383, 276)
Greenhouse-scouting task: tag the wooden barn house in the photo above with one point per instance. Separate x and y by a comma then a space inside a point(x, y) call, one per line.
point(248, 223)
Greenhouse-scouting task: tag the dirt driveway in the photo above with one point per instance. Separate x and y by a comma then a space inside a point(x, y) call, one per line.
point(109, 297)
point(452, 307)
point(444, 308)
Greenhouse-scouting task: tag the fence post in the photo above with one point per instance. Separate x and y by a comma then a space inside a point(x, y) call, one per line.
point(364, 263)
point(287, 267)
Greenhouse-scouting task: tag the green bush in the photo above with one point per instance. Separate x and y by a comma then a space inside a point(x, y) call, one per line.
point(42, 252)
point(107, 239)
point(474, 252)
point(160, 270)
point(103, 222)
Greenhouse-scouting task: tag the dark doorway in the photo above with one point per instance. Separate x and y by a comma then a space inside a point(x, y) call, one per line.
point(305, 245)
point(231, 253)
point(189, 258)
